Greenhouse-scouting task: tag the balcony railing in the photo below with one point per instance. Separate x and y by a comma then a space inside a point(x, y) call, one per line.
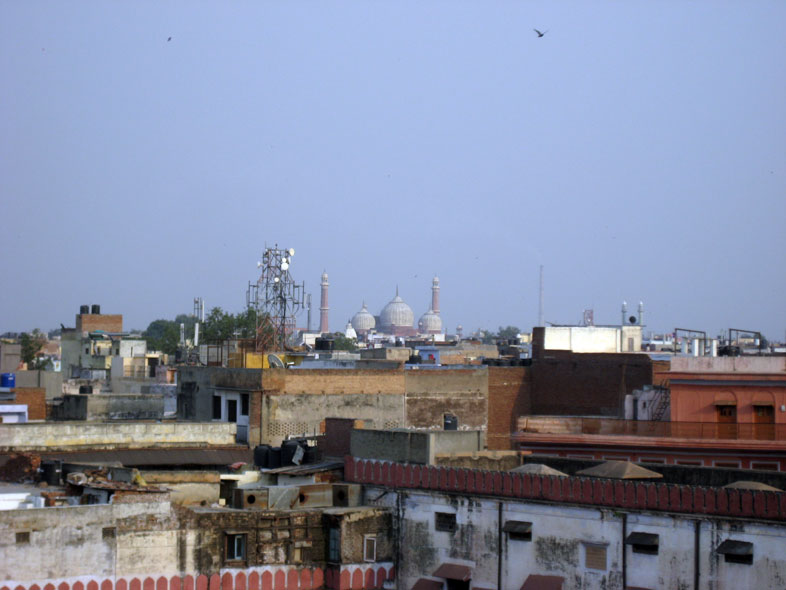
point(615, 427)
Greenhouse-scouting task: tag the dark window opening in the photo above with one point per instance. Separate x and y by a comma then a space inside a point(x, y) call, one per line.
point(445, 521)
point(232, 410)
point(235, 547)
point(244, 404)
point(23, 537)
point(646, 543)
point(108, 533)
point(518, 530)
point(736, 551)
point(216, 407)
point(334, 545)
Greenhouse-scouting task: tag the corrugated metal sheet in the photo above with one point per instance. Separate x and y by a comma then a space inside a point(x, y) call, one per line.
point(151, 457)
point(307, 469)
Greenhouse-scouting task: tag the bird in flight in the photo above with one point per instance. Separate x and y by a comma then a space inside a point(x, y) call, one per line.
point(539, 33)
point(169, 39)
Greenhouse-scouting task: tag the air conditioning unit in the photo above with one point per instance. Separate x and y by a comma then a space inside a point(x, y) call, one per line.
point(251, 499)
point(346, 495)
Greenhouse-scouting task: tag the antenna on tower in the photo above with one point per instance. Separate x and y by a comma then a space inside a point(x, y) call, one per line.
point(540, 299)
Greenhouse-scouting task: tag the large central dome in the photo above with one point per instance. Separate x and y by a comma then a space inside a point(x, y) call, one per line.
point(396, 315)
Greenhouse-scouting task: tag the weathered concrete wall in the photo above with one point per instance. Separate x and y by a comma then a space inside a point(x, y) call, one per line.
point(56, 436)
point(355, 526)
point(76, 535)
point(114, 406)
point(188, 487)
point(291, 414)
point(563, 531)
point(488, 460)
point(430, 394)
point(729, 364)
point(196, 386)
point(51, 381)
point(410, 446)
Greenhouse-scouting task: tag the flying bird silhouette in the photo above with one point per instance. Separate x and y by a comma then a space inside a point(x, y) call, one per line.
point(539, 33)
point(168, 40)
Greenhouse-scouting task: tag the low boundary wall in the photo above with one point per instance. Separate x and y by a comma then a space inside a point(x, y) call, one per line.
point(629, 495)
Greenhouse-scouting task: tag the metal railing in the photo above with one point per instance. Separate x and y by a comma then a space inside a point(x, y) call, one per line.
point(695, 430)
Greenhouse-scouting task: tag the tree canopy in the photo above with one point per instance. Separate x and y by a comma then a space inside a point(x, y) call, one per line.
point(31, 345)
point(219, 325)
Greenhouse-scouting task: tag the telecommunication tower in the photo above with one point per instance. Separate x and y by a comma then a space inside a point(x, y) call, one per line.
point(275, 299)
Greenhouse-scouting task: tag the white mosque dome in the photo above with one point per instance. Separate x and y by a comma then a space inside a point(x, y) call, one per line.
point(396, 314)
point(430, 323)
point(363, 321)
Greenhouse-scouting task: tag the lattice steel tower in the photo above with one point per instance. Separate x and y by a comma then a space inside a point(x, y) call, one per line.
point(275, 298)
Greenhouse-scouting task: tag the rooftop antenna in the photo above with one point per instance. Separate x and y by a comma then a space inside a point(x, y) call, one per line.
point(540, 299)
point(275, 298)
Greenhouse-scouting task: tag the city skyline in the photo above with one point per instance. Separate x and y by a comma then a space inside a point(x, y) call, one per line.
point(148, 153)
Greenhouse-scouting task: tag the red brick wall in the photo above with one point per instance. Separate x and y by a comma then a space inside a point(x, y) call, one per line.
point(34, 398)
point(93, 322)
point(509, 398)
point(565, 383)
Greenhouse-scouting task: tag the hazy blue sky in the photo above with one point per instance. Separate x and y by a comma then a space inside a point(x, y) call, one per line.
point(637, 151)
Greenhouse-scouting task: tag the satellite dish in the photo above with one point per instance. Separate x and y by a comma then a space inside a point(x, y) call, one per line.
point(284, 265)
point(632, 319)
point(275, 362)
point(291, 251)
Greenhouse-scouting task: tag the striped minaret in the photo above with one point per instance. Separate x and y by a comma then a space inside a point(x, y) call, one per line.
point(323, 306)
point(435, 295)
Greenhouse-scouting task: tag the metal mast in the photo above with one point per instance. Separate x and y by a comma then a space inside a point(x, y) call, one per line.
point(275, 298)
point(540, 299)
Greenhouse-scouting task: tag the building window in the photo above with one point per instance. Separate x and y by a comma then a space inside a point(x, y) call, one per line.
point(369, 548)
point(643, 543)
point(235, 547)
point(216, 407)
point(765, 465)
point(518, 530)
point(23, 538)
point(334, 545)
point(108, 533)
point(595, 557)
point(736, 551)
point(445, 521)
point(244, 404)
point(727, 464)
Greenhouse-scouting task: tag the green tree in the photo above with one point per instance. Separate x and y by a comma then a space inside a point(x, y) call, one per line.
point(341, 342)
point(508, 333)
point(163, 335)
point(219, 325)
point(31, 345)
point(246, 323)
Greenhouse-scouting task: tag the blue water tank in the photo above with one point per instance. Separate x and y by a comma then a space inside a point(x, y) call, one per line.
point(8, 380)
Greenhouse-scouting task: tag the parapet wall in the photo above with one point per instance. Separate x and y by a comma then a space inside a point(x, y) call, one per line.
point(628, 495)
point(57, 436)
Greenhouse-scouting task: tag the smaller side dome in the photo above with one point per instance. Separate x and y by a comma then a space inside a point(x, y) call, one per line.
point(430, 323)
point(363, 321)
